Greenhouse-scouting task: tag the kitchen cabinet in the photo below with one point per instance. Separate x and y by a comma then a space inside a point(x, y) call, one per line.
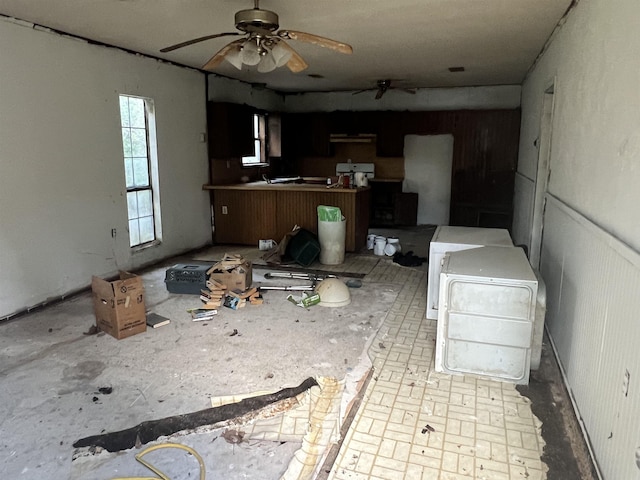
point(390, 206)
point(306, 135)
point(274, 132)
point(391, 130)
point(247, 213)
point(230, 129)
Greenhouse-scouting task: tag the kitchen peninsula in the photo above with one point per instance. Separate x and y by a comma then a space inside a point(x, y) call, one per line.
point(249, 212)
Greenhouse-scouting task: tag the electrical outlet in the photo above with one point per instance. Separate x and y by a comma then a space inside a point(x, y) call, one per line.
point(625, 383)
point(638, 457)
point(113, 232)
point(224, 210)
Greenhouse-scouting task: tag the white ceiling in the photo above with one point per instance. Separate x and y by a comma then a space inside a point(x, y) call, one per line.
point(411, 41)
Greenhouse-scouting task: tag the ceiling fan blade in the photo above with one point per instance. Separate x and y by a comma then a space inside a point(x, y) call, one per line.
point(380, 92)
point(361, 91)
point(219, 56)
point(412, 91)
point(316, 40)
point(296, 63)
point(197, 40)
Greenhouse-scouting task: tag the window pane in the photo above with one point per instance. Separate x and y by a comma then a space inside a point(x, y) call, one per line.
point(140, 172)
point(136, 109)
point(124, 111)
point(132, 205)
point(138, 142)
point(256, 130)
point(146, 229)
point(134, 234)
point(145, 204)
point(128, 171)
point(126, 142)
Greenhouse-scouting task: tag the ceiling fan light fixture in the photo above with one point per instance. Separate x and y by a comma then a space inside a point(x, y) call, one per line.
point(251, 52)
point(234, 57)
point(280, 54)
point(267, 62)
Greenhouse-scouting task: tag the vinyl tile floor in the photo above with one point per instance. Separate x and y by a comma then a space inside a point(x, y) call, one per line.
point(416, 423)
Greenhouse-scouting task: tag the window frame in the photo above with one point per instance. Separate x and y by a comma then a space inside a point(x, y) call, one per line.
point(152, 174)
point(259, 121)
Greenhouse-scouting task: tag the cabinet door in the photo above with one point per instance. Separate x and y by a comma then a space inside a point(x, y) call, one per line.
point(391, 130)
point(274, 132)
point(405, 208)
point(230, 129)
point(306, 135)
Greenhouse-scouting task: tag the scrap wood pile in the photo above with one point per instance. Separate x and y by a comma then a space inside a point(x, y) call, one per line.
point(218, 294)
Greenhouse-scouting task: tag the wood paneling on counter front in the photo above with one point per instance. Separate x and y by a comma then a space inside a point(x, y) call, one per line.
point(251, 216)
point(269, 212)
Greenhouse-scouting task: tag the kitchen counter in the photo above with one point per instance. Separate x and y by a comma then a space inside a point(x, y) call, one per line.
point(292, 187)
point(248, 212)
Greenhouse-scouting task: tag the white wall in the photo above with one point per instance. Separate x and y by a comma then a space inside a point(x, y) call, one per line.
point(62, 186)
point(592, 216)
point(504, 96)
point(428, 161)
point(222, 89)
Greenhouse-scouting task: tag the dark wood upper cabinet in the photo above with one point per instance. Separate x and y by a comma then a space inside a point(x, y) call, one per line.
point(274, 135)
point(391, 128)
point(230, 129)
point(306, 135)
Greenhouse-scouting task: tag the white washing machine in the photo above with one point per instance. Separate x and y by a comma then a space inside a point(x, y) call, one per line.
point(487, 313)
point(453, 239)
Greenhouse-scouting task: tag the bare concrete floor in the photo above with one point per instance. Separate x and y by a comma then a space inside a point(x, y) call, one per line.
point(51, 373)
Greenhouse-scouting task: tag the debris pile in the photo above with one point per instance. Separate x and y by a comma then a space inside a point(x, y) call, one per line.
point(228, 285)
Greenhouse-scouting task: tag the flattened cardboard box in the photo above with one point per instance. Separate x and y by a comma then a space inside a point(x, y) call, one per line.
point(235, 281)
point(119, 305)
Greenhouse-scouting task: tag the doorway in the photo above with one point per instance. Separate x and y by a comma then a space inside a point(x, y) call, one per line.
point(543, 175)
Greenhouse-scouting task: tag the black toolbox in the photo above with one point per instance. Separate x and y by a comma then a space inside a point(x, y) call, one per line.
point(187, 278)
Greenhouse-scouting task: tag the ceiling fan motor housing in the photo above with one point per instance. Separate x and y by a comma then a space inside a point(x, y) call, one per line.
point(264, 19)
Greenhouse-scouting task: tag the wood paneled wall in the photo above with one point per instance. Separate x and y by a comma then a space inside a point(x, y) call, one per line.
point(485, 154)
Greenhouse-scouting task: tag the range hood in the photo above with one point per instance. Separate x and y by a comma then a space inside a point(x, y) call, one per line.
point(352, 138)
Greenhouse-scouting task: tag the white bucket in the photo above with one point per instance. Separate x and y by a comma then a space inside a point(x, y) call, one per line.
point(371, 241)
point(331, 236)
point(395, 241)
point(390, 249)
point(380, 243)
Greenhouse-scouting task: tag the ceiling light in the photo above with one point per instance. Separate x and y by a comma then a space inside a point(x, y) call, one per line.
point(235, 58)
point(263, 52)
point(251, 52)
point(267, 62)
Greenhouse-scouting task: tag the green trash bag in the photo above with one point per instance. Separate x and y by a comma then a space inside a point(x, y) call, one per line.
point(329, 214)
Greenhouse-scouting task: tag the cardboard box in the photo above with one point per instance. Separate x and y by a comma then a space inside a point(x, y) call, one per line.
point(239, 278)
point(119, 305)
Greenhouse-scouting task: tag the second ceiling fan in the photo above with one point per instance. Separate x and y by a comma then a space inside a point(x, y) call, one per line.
point(262, 43)
point(382, 87)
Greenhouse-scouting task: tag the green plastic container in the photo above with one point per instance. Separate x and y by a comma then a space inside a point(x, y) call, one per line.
point(303, 247)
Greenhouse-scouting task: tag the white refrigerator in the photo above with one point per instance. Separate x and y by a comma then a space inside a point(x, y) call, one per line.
point(487, 313)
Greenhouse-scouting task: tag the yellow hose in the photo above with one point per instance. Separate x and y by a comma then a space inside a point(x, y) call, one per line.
point(161, 475)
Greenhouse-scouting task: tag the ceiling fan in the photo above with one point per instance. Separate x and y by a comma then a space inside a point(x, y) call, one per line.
point(262, 43)
point(382, 87)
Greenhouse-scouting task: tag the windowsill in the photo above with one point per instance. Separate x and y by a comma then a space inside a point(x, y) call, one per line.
point(252, 165)
point(144, 246)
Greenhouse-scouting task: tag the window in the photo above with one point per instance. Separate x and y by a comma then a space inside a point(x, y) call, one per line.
point(259, 156)
point(140, 162)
